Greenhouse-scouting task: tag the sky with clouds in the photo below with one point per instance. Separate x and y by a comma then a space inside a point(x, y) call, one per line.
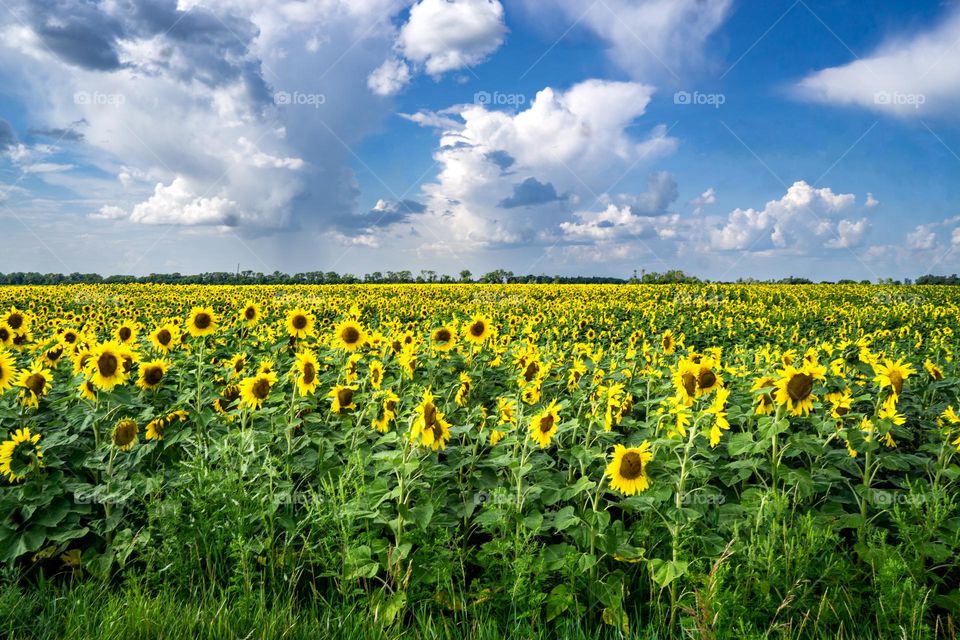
point(726, 138)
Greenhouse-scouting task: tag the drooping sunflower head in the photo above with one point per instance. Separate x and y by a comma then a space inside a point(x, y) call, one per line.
point(935, 372)
point(201, 322)
point(349, 335)
point(893, 374)
point(667, 342)
point(125, 434)
point(628, 468)
point(376, 374)
point(20, 454)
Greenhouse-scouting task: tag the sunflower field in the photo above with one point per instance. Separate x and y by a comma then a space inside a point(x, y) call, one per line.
point(483, 461)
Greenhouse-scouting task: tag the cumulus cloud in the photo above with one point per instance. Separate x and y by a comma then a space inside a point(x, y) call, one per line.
point(441, 36)
point(590, 128)
point(707, 197)
point(906, 76)
point(646, 38)
point(804, 219)
point(184, 95)
point(180, 203)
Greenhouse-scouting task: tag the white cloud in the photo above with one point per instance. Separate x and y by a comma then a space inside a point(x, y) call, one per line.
point(47, 167)
point(109, 212)
point(389, 78)
point(590, 129)
point(646, 38)
point(441, 36)
point(179, 203)
point(707, 197)
point(907, 77)
point(871, 201)
point(804, 219)
point(922, 238)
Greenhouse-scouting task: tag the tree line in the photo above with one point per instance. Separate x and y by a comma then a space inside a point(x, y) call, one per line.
point(498, 276)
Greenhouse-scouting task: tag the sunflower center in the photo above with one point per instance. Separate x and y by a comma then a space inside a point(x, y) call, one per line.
point(350, 335)
point(299, 322)
point(477, 329)
point(153, 375)
point(689, 383)
point(345, 397)
point(437, 430)
point(125, 432)
point(896, 381)
point(202, 321)
point(250, 313)
point(36, 383)
point(107, 364)
point(442, 335)
point(842, 411)
point(531, 371)
point(546, 423)
point(4, 334)
point(390, 405)
point(261, 389)
point(70, 338)
point(800, 387)
point(429, 416)
point(54, 354)
point(125, 333)
point(631, 465)
point(15, 320)
point(706, 379)
point(164, 337)
point(309, 373)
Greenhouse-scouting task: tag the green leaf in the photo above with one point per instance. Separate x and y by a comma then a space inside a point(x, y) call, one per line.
point(558, 601)
point(664, 572)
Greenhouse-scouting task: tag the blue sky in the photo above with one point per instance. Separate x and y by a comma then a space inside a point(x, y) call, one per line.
point(725, 138)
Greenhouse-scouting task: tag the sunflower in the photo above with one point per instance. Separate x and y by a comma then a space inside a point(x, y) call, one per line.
point(343, 399)
point(478, 330)
point(543, 426)
point(126, 333)
point(685, 380)
point(6, 334)
point(165, 337)
point(300, 323)
point(34, 383)
point(306, 371)
point(106, 365)
point(667, 342)
point(628, 468)
point(444, 338)
point(349, 335)
point(201, 322)
point(155, 428)
point(507, 411)
point(87, 391)
point(463, 391)
point(496, 436)
point(236, 364)
point(7, 371)
point(224, 404)
point(840, 403)
point(255, 389)
point(20, 454)
point(765, 403)
point(795, 387)
point(892, 374)
point(152, 373)
point(388, 412)
point(125, 434)
point(935, 372)
point(18, 321)
point(250, 314)
point(376, 374)
point(429, 424)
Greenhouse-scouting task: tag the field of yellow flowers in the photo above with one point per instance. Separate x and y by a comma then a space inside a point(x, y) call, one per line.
point(707, 460)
